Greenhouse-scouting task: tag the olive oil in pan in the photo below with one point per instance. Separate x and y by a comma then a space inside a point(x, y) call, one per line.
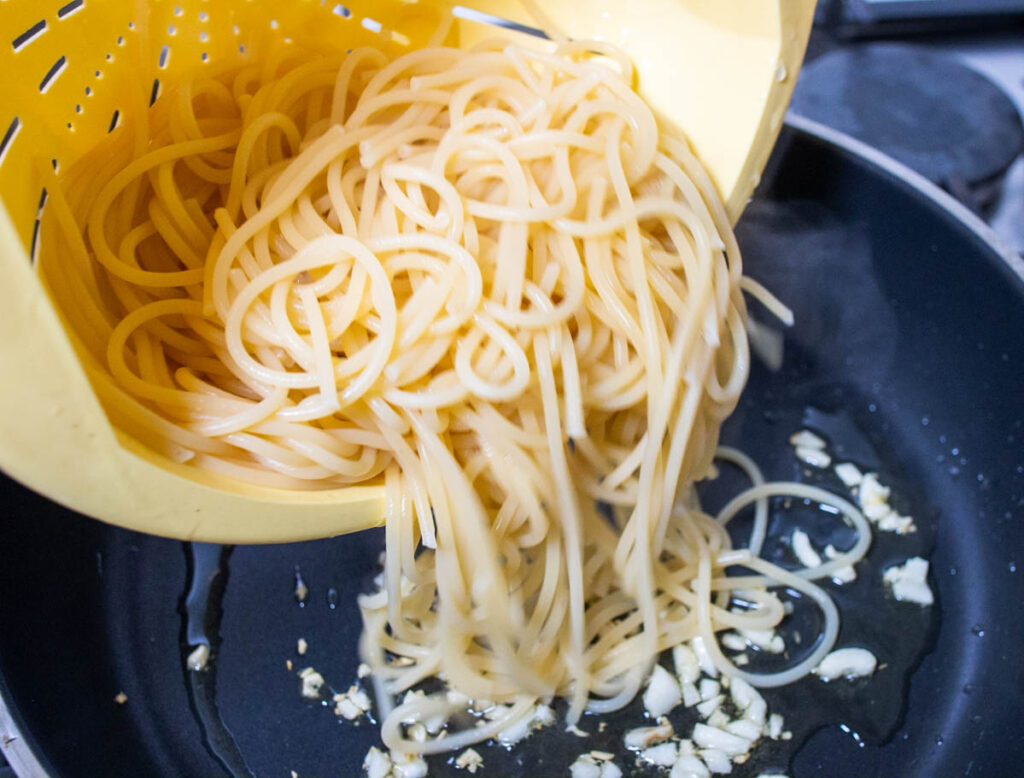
point(202, 610)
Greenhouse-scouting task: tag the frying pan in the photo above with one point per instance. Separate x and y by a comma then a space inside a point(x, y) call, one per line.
point(908, 353)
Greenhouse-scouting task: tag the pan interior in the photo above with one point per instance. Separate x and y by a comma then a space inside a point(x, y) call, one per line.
point(907, 354)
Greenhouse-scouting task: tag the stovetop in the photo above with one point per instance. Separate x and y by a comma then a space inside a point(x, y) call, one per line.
point(951, 109)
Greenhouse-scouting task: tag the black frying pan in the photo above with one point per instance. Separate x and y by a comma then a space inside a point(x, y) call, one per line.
point(908, 353)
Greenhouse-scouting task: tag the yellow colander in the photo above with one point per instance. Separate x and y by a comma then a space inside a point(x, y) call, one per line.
point(723, 70)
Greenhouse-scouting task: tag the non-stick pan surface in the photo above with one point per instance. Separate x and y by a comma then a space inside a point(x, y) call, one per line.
point(908, 354)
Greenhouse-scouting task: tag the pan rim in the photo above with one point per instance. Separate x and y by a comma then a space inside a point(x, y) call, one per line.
point(916, 181)
point(18, 750)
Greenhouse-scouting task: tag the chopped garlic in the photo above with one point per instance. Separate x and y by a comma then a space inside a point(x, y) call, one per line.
point(743, 694)
point(844, 574)
point(589, 766)
point(352, 704)
point(435, 724)
point(707, 707)
point(765, 639)
point(717, 761)
point(312, 682)
point(713, 737)
point(690, 695)
point(806, 439)
point(875, 511)
point(685, 661)
point(846, 663)
point(814, 457)
point(408, 766)
point(345, 708)
point(689, 766)
point(540, 716)
point(909, 582)
point(804, 550)
point(120, 698)
point(585, 767)
point(543, 715)
point(744, 729)
point(733, 642)
point(774, 726)
point(377, 763)
point(662, 693)
point(893, 522)
point(644, 737)
point(301, 589)
point(757, 711)
point(662, 755)
point(470, 761)
point(301, 646)
point(515, 732)
point(610, 770)
point(197, 660)
point(849, 474)
point(418, 732)
point(718, 718)
point(872, 492)
point(709, 689)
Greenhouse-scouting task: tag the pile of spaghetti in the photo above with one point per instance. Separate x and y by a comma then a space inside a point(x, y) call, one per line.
point(489, 280)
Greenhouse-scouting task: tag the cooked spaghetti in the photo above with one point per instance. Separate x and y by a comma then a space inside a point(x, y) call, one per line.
point(490, 280)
